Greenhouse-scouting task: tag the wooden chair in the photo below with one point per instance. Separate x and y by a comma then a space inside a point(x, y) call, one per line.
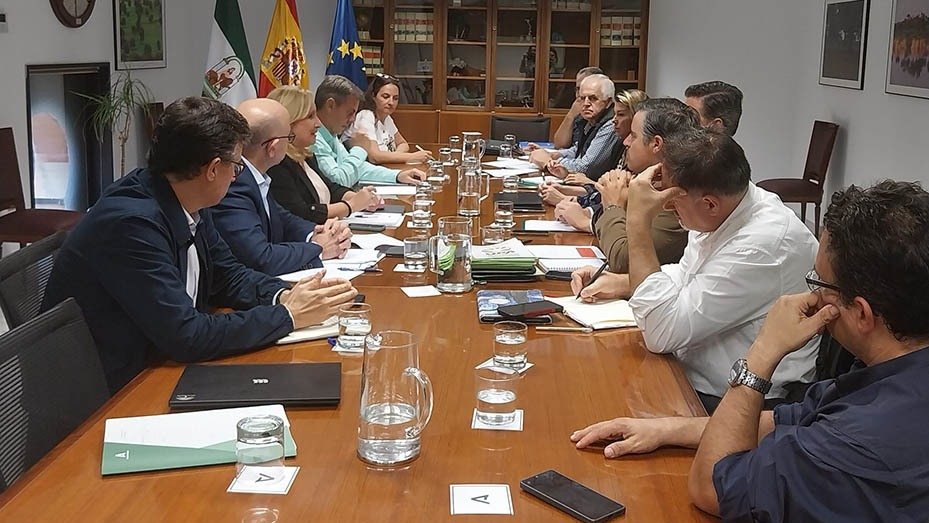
point(24, 225)
point(809, 188)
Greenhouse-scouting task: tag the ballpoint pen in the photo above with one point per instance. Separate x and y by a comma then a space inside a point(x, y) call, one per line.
point(367, 269)
point(563, 329)
point(592, 280)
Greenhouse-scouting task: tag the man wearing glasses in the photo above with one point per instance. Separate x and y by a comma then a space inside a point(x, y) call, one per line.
point(263, 235)
point(596, 150)
point(147, 266)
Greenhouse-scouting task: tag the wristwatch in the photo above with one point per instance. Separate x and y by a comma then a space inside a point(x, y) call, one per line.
point(740, 375)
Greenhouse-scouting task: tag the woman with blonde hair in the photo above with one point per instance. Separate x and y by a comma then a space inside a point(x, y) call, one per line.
point(295, 182)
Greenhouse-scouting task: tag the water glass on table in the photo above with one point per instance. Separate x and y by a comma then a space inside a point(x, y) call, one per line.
point(445, 156)
point(454, 143)
point(510, 348)
point(506, 151)
point(510, 139)
point(421, 217)
point(491, 234)
point(496, 389)
point(511, 184)
point(415, 252)
point(354, 325)
point(503, 214)
point(259, 449)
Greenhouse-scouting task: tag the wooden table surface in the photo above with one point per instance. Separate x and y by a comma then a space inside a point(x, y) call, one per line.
point(577, 379)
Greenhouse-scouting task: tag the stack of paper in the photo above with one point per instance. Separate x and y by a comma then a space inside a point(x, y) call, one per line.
point(548, 226)
point(609, 314)
point(373, 241)
point(294, 277)
point(387, 219)
point(566, 251)
point(326, 329)
point(511, 163)
point(394, 190)
point(503, 173)
point(189, 439)
point(535, 181)
point(563, 265)
point(508, 255)
point(355, 259)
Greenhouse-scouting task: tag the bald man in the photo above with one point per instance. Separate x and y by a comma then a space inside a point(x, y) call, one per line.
point(261, 234)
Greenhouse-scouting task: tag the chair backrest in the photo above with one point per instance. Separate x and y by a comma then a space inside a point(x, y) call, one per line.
point(817, 157)
point(51, 381)
point(532, 129)
point(11, 185)
point(23, 277)
point(833, 359)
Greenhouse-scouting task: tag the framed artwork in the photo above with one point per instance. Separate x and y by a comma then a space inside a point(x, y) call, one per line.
point(845, 31)
point(908, 59)
point(139, 34)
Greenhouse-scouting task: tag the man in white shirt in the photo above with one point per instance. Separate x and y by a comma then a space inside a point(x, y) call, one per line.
point(745, 249)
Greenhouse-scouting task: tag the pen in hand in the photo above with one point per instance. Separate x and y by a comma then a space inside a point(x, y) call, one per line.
point(418, 148)
point(592, 280)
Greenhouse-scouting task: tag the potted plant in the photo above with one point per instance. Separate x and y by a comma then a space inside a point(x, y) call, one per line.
point(115, 110)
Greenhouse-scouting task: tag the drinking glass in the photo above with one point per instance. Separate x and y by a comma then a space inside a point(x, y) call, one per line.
point(421, 215)
point(510, 346)
point(491, 234)
point(511, 184)
point(503, 214)
point(415, 252)
point(354, 325)
point(259, 449)
point(454, 143)
point(445, 156)
point(496, 388)
point(506, 151)
point(510, 139)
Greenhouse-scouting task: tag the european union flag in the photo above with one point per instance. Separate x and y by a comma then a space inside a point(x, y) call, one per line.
point(345, 56)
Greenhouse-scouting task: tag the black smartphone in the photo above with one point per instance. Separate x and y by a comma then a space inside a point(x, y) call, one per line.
point(391, 251)
point(359, 298)
point(529, 310)
point(366, 227)
point(571, 497)
point(558, 275)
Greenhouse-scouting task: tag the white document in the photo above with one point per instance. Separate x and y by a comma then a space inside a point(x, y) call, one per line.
point(511, 163)
point(324, 330)
point(503, 173)
point(356, 259)
point(252, 480)
point(538, 180)
point(371, 241)
point(422, 291)
point(490, 363)
point(480, 499)
point(608, 314)
point(516, 425)
point(400, 267)
point(395, 190)
point(186, 439)
point(387, 219)
point(566, 251)
point(331, 272)
point(548, 226)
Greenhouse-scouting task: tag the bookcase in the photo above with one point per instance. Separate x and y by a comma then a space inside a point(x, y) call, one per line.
point(458, 61)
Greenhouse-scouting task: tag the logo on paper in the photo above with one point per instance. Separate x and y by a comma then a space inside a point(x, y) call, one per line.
point(123, 455)
point(260, 381)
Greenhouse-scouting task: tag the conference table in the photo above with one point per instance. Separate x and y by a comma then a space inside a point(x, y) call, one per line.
point(577, 379)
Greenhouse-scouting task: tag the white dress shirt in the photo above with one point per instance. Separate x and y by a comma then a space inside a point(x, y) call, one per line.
point(708, 309)
point(264, 185)
point(193, 260)
point(366, 123)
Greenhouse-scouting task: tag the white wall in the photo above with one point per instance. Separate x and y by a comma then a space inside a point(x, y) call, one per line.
point(771, 51)
point(36, 37)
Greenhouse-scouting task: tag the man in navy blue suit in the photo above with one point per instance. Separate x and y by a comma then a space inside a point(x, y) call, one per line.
point(146, 265)
point(263, 235)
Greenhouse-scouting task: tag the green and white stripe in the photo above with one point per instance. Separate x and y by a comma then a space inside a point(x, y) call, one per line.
point(229, 76)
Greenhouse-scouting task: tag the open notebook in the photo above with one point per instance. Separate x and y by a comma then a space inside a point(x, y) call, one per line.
point(609, 314)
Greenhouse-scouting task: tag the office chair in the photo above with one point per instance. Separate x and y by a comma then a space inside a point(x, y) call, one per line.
point(809, 188)
point(23, 277)
point(51, 380)
point(24, 225)
point(531, 129)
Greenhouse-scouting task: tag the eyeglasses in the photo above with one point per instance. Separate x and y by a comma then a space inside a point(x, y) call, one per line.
point(237, 167)
point(290, 139)
point(814, 283)
point(386, 76)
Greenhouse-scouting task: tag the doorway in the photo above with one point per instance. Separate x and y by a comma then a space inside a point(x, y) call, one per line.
point(69, 165)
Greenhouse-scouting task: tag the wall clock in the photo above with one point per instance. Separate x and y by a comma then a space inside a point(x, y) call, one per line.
point(73, 13)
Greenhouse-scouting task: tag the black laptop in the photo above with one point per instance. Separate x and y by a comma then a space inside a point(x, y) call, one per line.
point(522, 201)
point(288, 384)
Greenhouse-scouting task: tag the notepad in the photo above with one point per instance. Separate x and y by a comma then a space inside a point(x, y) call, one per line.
point(387, 219)
point(372, 241)
point(170, 441)
point(609, 314)
point(357, 259)
point(503, 173)
point(548, 225)
point(566, 251)
point(512, 163)
point(326, 329)
point(567, 265)
point(294, 277)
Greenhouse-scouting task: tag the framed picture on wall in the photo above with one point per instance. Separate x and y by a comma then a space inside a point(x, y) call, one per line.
point(845, 31)
point(139, 34)
point(908, 59)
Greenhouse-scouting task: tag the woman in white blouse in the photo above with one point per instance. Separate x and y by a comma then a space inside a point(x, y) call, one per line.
point(295, 182)
point(375, 122)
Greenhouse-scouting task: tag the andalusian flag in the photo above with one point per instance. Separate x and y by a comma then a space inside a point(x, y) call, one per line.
point(345, 57)
point(230, 76)
point(283, 61)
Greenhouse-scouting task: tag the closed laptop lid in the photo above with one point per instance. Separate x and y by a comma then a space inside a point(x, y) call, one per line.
point(244, 385)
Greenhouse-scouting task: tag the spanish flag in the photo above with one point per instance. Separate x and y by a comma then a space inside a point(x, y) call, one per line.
point(283, 61)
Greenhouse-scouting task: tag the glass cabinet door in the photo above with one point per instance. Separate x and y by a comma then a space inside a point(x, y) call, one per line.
point(516, 53)
point(466, 53)
point(570, 49)
point(369, 19)
point(413, 35)
point(620, 35)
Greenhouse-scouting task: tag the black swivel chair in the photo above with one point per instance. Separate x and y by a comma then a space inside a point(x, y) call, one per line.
point(531, 129)
point(51, 380)
point(23, 277)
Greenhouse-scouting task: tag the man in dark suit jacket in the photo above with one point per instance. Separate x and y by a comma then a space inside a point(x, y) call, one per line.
point(262, 234)
point(145, 264)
